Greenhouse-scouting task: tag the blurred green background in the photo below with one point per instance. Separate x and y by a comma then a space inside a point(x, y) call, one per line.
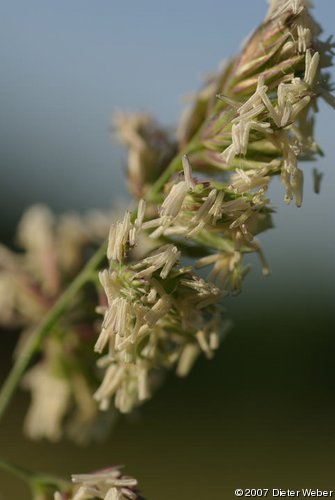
point(261, 415)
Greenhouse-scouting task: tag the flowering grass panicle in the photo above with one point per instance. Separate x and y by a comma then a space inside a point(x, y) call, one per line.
point(106, 484)
point(155, 308)
point(251, 122)
point(202, 200)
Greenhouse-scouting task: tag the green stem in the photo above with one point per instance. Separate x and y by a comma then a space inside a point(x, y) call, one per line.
point(16, 470)
point(35, 481)
point(35, 339)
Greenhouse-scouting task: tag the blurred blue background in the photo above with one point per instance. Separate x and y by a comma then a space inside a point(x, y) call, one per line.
point(65, 68)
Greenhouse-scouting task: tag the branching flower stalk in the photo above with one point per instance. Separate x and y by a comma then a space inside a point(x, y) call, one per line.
point(252, 121)
point(202, 200)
